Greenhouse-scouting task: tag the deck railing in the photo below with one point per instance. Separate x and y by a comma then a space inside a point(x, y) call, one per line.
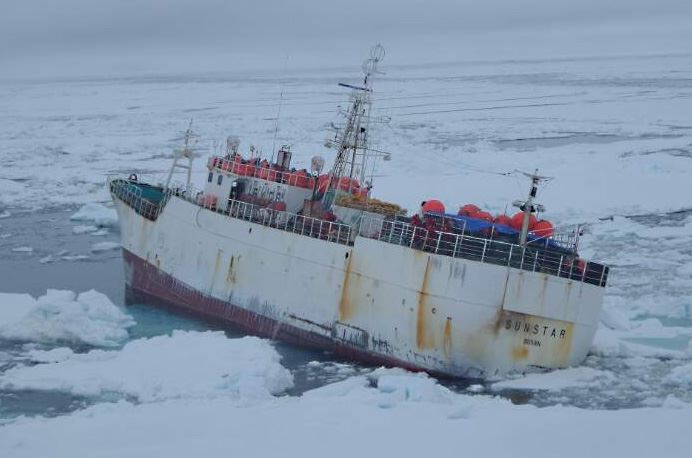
point(132, 195)
point(286, 221)
point(533, 258)
point(266, 172)
point(536, 258)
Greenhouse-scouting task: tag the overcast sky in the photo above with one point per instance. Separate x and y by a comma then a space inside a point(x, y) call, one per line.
point(150, 36)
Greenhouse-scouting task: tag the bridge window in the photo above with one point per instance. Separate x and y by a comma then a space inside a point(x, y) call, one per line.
point(219, 180)
point(211, 176)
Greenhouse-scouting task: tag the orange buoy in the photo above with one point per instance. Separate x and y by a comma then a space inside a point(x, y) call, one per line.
point(543, 228)
point(433, 206)
point(483, 215)
point(469, 209)
point(518, 221)
point(503, 220)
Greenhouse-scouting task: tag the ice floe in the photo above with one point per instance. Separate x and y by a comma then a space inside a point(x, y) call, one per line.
point(23, 249)
point(84, 229)
point(681, 375)
point(184, 364)
point(104, 246)
point(557, 380)
point(63, 316)
point(97, 214)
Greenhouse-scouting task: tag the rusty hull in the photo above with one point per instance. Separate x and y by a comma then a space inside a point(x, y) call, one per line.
point(445, 315)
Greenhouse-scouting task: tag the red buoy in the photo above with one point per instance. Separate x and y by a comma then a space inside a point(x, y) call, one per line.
point(433, 206)
point(518, 221)
point(543, 228)
point(469, 210)
point(503, 220)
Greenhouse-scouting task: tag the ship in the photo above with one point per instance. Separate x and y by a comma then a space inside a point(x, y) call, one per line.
point(312, 258)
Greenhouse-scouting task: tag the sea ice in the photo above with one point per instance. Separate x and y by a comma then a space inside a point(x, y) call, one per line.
point(63, 316)
point(46, 259)
point(680, 375)
point(104, 246)
point(184, 364)
point(557, 380)
point(84, 229)
point(421, 421)
point(96, 214)
point(74, 257)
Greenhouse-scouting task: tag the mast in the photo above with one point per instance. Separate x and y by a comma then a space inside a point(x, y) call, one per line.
point(351, 140)
point(529, 206)
point(179, 154)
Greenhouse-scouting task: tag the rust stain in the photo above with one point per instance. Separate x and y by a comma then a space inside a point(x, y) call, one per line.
point(346, 308)
point(447, 342)
point(217, 264)
point(230, 274)
point(563, 352)
point(520, 352)
point(424, 338)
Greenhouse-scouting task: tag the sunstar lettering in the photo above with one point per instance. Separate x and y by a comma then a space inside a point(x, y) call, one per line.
point(535, 329)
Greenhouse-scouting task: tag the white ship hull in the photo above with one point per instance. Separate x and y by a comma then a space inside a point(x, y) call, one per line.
point(374, 301)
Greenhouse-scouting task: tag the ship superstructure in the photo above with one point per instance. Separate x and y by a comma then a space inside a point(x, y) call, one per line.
point(312, 258)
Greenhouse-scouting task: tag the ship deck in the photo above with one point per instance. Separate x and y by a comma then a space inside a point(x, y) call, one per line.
point(537, 256)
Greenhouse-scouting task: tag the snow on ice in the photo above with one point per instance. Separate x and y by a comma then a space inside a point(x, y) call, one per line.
point(389, 413)
point(63, 316)
point(184, 364)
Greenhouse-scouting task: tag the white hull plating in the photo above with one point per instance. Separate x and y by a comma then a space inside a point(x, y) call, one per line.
point(438, 313)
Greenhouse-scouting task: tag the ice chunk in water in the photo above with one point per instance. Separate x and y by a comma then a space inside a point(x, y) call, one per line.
point(63, 316)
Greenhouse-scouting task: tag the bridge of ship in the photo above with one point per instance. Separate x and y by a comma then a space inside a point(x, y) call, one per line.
point(556, 257)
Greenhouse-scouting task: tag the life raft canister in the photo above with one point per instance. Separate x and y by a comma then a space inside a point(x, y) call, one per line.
point(543, 228)
point(503, 220)
point(469, 210)
point(518, 221)
point(485, 216)
point(433, 206)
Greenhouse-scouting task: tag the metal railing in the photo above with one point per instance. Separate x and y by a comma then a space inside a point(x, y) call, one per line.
point(533, 258)
point(290, 222)
point(459, 245)
point(265, 172)
point(131, 194)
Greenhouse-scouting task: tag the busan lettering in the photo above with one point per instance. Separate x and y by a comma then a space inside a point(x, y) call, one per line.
point(534, 329)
